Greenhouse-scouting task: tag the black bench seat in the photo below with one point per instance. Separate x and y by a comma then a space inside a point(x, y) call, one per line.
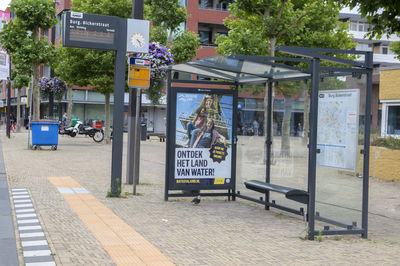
point(290, 193)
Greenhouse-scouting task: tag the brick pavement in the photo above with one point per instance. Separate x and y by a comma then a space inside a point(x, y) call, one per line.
point(216, 232)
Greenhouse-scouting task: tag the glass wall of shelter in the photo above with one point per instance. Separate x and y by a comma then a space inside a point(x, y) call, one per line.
point(311, 134)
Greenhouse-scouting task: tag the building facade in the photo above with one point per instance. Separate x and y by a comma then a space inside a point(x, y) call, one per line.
point(389, 95)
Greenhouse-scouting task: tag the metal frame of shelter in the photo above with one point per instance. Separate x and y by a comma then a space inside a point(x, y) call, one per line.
point(237, 70)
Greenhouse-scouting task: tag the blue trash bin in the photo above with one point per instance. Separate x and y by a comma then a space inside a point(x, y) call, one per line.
point(44, 133)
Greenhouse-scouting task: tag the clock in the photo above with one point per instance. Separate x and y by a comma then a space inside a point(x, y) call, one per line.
point(138, 40)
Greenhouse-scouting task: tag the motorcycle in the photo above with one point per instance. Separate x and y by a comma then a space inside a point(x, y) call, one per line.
point(95, 133)
point(71, 131)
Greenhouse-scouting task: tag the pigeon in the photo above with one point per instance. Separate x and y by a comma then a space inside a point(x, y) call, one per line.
point(196, 200)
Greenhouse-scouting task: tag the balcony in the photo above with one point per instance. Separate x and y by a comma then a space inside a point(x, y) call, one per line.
point(218, 5)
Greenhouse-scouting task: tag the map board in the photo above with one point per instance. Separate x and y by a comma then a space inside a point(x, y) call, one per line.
point(337, 138)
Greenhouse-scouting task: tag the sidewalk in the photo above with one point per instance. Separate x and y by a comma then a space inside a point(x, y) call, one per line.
point(216, 232)
point(8, 248)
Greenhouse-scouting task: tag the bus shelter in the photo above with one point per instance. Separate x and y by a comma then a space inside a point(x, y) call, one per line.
point(309, 150)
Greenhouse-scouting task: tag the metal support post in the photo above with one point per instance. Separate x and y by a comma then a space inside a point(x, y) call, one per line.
point(133, 154)
point(312, 152)
point(269, 142)
point(136, 165)
point(167, 150)
point(118, 117)
point(131, 138)
point(8, 111)
point(369, 64)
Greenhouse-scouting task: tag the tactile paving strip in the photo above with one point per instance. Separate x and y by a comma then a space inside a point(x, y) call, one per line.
point(124, 245)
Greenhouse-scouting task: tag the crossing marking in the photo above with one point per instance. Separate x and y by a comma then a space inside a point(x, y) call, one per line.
point(32, 236)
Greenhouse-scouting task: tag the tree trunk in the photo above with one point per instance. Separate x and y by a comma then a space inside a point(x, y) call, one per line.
point(107, 110)
point(306, 121)
point(271, 53)
point(69, 111)
point(36, 77)
point(36, 92)
point(19, 118)
point(285, 141)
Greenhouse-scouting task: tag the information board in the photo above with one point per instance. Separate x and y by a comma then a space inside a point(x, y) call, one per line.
point(90, 31)
point(202, 146)
point(337, 138)
point(139, 73)
point(4, 58)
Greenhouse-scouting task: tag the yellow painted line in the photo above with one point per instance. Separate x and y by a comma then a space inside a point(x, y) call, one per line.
point(124, 245)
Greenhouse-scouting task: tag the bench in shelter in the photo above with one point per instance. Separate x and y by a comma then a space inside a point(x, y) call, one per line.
point(290, 193)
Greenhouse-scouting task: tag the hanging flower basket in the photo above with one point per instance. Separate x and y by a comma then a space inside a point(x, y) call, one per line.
point(52, 85)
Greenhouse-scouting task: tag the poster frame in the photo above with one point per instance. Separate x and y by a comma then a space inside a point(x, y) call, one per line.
point(171, 141)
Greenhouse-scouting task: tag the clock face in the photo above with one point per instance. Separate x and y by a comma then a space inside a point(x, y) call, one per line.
point(138, 40)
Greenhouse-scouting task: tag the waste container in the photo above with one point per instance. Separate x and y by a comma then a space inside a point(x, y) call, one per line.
point(143, 133)
point(44, 133)
point(74, 121)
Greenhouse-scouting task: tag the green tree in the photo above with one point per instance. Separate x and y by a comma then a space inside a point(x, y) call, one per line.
point(256, 27)
point(184, 46)
point(166, 16)
point(21, 39)
point(395, 47)
point(21, 76)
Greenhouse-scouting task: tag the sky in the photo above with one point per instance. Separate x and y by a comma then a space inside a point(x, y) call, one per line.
point(4, 4)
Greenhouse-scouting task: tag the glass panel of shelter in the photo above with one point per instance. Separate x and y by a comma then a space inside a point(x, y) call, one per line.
point(339, 170)
point(289, 161)
point(338, 191)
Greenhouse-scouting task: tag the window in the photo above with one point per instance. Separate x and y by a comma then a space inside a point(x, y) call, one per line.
point(393, 126)
point(205, 3)
point(46, 71)
point(224, 4)
point(385, 49)
point(205, 37)
point(363, 47)
point(208, 33)
point(353, 26)
point(360, 26)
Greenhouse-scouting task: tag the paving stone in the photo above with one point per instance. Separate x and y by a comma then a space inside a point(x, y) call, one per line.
point(217, 232)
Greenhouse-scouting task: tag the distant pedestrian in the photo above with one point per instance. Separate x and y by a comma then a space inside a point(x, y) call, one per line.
point(64, 119)
point(255, 127)
point(13, 121)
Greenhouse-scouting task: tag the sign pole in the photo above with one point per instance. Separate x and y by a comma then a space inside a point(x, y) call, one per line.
point(139, 77)
point(136, 165)
point(130, 153)
point(8, 110)
point(132, 171)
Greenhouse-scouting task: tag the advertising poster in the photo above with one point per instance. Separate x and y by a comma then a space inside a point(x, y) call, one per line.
point(337, 139)
point(203, 141)
point(4, 60)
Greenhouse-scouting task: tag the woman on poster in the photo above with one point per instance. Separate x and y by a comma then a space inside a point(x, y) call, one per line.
point(208, 136)
point(196, 124)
